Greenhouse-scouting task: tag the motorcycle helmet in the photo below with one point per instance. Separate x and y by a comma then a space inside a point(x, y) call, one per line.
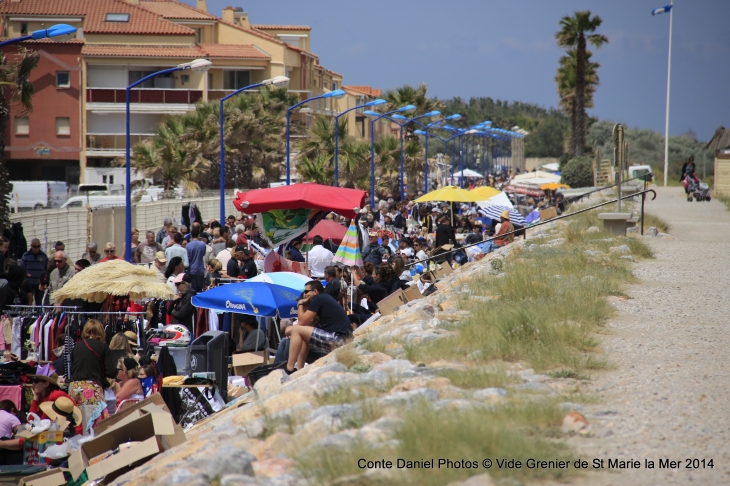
point(175, 335)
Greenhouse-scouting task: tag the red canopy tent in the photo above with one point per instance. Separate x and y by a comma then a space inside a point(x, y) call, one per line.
point(307, 195)
point(328, 230)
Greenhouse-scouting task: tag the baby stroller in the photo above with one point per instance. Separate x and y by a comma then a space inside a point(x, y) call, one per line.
point(693, 187)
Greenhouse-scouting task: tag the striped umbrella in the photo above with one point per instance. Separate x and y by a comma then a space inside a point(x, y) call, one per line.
point(493, 212)
point(349, 251)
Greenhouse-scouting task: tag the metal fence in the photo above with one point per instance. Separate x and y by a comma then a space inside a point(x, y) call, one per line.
point(107, 224)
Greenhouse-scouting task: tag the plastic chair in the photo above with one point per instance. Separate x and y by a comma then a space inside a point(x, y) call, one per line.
point(126, 404)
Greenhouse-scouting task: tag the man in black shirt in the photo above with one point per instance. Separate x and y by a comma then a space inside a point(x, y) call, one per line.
point(249, 269)
point(331, 330)
point(333, 283)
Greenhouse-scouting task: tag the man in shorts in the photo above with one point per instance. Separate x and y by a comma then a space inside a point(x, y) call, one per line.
point(323, 325)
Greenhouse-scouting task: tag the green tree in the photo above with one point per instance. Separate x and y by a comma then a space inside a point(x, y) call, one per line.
point(408, 95)
point(317, 170)
point(15, 87)
point(170, 159)
point(565, 80)
point(575, 33)
point(577, 172)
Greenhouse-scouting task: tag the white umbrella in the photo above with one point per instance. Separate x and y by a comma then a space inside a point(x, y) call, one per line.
point(500, 199)
point(467, 173)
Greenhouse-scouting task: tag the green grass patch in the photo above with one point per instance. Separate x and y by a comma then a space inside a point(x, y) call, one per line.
point(568, 374)
point(639, 248)
point(477, 378)
point(373, 345)
point(514, 431)
point(653, 220)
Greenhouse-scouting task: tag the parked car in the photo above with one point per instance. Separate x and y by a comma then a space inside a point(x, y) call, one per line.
point(99, 201)
point(27, 195)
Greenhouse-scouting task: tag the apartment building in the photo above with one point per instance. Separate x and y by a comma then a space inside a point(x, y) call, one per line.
point(77, 128)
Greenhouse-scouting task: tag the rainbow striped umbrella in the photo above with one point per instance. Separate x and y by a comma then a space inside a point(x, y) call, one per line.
point(349, 251)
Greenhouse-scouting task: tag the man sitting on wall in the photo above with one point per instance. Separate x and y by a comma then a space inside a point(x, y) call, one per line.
point(322, 324)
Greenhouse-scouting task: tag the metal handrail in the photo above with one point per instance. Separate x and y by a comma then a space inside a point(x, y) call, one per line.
point(551, 220)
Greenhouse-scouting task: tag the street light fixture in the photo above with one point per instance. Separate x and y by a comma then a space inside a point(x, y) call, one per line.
point(198, 66)
point(338, 93)
point(278, 81)
point(369, 104)
point(377, 116)
point(58, 32)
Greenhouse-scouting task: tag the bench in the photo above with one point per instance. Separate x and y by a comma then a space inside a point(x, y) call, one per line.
point(615, 223)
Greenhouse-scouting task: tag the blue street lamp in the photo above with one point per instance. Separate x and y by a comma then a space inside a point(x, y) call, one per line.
point(425, 132)
point(338, 93)
point(377, 102)
point(198, 66)
point(378, 116)
point(278, 81)
point(58, 32)
point(406, 121)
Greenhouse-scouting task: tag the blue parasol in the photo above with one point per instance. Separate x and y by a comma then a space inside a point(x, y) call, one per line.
point(254, 298)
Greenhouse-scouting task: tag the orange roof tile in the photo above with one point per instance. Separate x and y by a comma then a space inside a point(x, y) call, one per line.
point(364, 90)
point(233, 51)
point(280, 27)
point(101, 50)
point(175, 10)
point(141, 21)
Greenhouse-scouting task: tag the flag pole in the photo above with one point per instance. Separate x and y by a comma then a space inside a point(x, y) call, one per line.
point(669, 75)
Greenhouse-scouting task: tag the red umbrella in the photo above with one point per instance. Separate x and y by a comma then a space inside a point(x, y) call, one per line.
point(328, 229)
point(307, 195)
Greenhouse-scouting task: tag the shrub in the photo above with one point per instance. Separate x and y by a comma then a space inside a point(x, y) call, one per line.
point(578, 172)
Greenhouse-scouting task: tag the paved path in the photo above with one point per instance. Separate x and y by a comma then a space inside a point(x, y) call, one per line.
point(669, 395)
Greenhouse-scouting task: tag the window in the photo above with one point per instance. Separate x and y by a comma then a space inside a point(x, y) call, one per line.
point(135, 76)
point(236, 79)
point(360, 122)
point(63, 126)
point(21, 125)
point(23, 29)
point(117, 17)
point(63, 79)
point(198, 34)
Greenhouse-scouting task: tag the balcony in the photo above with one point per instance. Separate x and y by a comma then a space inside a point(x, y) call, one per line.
point(144, 95)
point(111, 144)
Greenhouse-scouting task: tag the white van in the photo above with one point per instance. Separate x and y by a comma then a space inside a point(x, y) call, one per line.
point(27, 195)
point(100, 201)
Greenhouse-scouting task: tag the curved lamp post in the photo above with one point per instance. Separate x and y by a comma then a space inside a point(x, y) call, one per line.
point(338, 93)
point(425, 132)
point(377, 102)
point(378, 116)
point(406, 121)
point(278, 81)
point(198, 66)
point(445, 141)
point(58, 32)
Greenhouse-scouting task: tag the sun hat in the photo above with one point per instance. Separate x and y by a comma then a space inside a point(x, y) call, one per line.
point(62, 407)
point(45, 373)
point(504, 214)
point(131, 337)
point(160, 257)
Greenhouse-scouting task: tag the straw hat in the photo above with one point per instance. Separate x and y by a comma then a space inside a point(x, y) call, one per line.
point(62, 407)
point(504, 214)
point(131, 337)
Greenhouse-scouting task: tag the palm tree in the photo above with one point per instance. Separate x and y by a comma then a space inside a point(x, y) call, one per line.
point(408, 95)
point(572, 34)
point(317, 170)
point(565, 80)
point(15, 86)
point(169, 158)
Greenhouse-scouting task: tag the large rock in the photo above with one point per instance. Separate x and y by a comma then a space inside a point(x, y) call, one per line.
point(374, 359)
point(271, 383)
point(409, 398)
point(620, 249)
point(491, 395)
point(428, 336)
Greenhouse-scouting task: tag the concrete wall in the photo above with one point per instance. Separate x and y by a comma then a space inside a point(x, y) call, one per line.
point(107, 224)
point(533, 162)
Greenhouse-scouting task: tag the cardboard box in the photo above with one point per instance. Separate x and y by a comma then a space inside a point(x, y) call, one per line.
point(442, 271)
point(440, 249)
point(52, 477)
point(35, 444)
point(154, 431)
point(391, 302)
point(244, 362)
point(134, 410)
point(548, 213)
point(412, 293)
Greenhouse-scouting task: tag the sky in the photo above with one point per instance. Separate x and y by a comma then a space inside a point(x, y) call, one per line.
point(507, 50)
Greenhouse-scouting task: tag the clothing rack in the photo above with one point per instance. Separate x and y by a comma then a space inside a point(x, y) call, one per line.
point(17, 309)
point(117, 313)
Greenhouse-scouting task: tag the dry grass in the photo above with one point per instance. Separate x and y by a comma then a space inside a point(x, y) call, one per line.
point(657, 222)
point(724, 198)
point(347, 355)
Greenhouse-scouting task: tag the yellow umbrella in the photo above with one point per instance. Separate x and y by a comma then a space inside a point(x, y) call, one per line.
point(115, 277)
point(552, 186)
point(450, 194)
point(485, 192)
